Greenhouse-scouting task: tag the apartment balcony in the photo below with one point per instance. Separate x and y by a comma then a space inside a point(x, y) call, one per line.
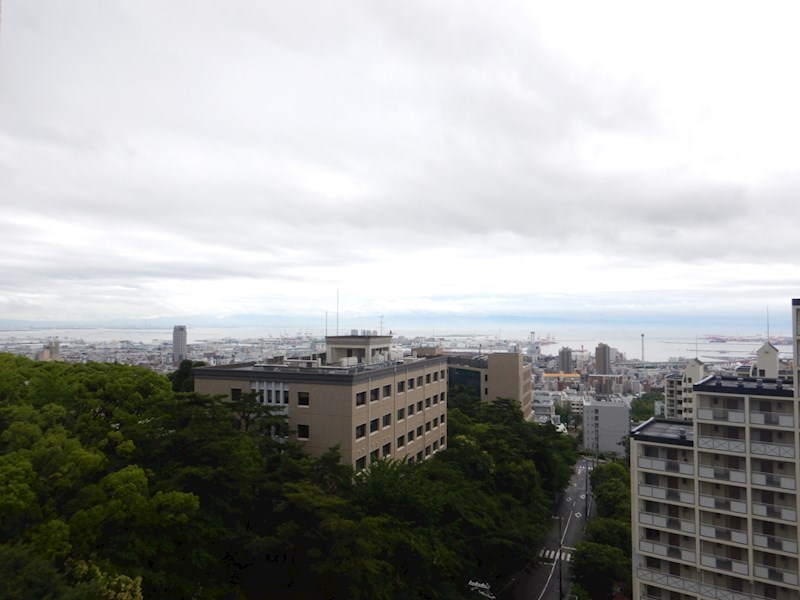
point(775, 419)
point(723, 503)
point(736, 536)
point(772, 480)
point(722, 473)
point(723, 563)
point(662, 493)
point(772, 449)
point(775, 574)
point(774, 511)
point(773, 542)
point(720, 414)
point(702, 590)
point(722, 444)
point(665, 465)
point(673, 523)
point(667, 551)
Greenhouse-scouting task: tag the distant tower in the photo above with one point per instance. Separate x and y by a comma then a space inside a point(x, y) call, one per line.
point(565, 359)
point(602, 359)
point(642, 347)
point(178, 344)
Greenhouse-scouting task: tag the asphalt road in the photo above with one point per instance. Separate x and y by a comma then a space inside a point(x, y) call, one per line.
point(542, 580)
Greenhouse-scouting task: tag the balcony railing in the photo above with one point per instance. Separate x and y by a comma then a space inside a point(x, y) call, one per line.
point(662, 464)
point(774, 543)
point(772, 449)
point(690, 586)
point(720, 414)
point(772, 418)
point(773, 480)
point(774, 511)
point(667, 551)
point(722, 503)
point(722, 474)
point(721, 443)
point(652, 491)
point(657, 520)
point(724, 563)
point(723, 533)
point(775, 574)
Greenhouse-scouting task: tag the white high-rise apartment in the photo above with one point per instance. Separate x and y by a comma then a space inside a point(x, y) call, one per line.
point(715, 499)
point(179, 347)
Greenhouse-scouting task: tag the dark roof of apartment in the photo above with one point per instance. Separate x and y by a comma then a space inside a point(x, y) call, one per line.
point(753, 386)
point(665, 431)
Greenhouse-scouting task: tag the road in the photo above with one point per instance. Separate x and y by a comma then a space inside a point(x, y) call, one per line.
point(542, 583)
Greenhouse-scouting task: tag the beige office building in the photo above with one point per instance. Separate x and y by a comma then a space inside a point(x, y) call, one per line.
point(495, 375)
point(357, 396)
point(715, 500)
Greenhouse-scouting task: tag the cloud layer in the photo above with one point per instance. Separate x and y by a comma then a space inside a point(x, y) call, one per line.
point(472, 158)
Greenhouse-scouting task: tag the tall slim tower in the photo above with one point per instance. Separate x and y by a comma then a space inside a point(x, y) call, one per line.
point(178, 344)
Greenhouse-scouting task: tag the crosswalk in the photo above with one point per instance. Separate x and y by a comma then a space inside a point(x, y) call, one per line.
point(553, 555)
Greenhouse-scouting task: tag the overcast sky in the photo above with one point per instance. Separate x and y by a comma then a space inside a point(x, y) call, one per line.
point(608, 160)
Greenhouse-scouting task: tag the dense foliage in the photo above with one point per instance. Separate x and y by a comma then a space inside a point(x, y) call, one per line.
point(643, 407)
point(112, 485)
point(603, 560)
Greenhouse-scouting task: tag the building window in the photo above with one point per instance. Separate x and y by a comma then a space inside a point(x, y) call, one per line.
point(435, 421)
point(302, 432)
point(374, 394)
point(419, 406)
point(401, 441)
point(441, 419)
point(361, 463)
point(419, 431)
point(302, 399)
point(485, 377)
point(436, 398)
point(427, 450)
point(435, 446)
point(427, 402)
point(387, 449)
point(361, 431)
point(442, 372)
point(485, 391)
point(444, 397)
point(269, 396)
point(428, 426)
point(286, 397)
point(236, 394)
point(436, 376)
point(373, 426)
point(410, 436)
point(419, 381)
point(373, 456)
point(428, 378)
point(410, 409)
point(387, 391)
point(411, 384)
point(419, 456)
point(401, 414)
point(401, 386)
point(441, 441)
point(361, 398)
point(387, 420)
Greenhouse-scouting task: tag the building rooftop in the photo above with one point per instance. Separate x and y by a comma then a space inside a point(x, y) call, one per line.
point(665, 431)
point(718, 384)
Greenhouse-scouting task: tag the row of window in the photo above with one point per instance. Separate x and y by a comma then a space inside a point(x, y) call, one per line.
point(375, 425)
point(377, 393)
point(386, 450)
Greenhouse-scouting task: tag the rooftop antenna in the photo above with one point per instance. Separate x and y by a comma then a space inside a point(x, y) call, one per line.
point(768, 323)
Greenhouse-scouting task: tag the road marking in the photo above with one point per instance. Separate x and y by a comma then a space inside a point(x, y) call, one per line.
point(569, 499)
point(554, 555)
point(577, 515)
point(583, 496)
